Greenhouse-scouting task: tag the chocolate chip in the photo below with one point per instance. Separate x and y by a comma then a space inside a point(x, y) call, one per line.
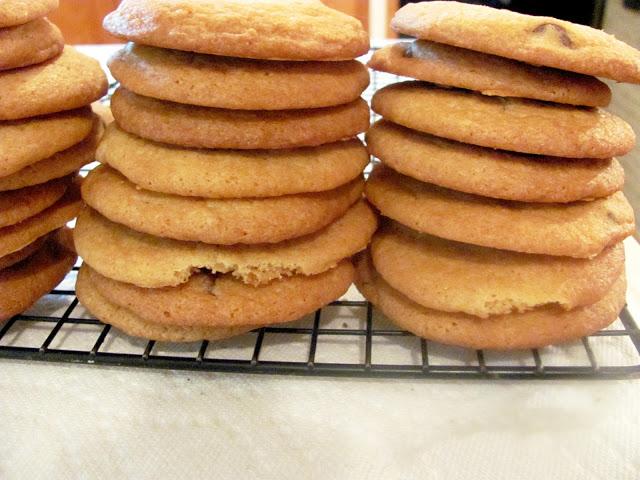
point(563, 35)
point(407, 53)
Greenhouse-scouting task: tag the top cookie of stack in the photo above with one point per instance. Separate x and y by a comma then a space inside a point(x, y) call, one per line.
point(506, 156)
point(47, 133)
point(233, 151)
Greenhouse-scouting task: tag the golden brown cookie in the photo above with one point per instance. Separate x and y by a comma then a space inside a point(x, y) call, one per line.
point(458, 277)
point(18, 12)
point(133, 325)
point(221, 221)
point(514, 124)
point(208, 300)
point(155, 262)
point(533, 329)
point(488, 74)
point(69, 81)
point(532, 39)
point(18, 236)
point(18, 205)
point(16, 257)
point(236, 83)
point(492, 173)
point(24, 142)
point(579, 229)
point(57, 165)
point(267, 29)
point(231, 173)
point(204, 127)
point(29, 44)
point(24, 283)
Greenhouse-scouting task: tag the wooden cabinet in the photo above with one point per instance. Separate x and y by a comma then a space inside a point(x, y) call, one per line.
point(355, 8)
point(81, 20)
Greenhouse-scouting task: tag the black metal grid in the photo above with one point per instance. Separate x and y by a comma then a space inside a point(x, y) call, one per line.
point(314, 346)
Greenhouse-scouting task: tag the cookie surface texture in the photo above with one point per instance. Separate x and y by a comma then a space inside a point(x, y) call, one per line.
point(135, 326)
point(532, 39)
point(22, 284)
point(57, 165)
point(204, 127)
point(18, 205)
point(155, 262)
point(231, 173)
point(29, 44)
point(533, 329)
point(235, 83)
point(579, 229)
point(220, 221)
point(490, 75)
point(69, 81)
point(24, 142)
point(221, 301)
point(18, 236)
point(16, 257)
point(492, 173)
point(514, 124)
point(263, 29)
point(458, 277)
point(19, 12)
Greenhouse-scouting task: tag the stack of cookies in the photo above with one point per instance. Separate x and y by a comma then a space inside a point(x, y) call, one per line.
point(498, 178)
point(230, 194)
point(47, 132)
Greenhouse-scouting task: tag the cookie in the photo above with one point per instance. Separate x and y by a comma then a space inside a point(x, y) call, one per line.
point(236, 83)
point(19, 12)
point(29, 44)
point(231, 173)
point(266, 29)
point(22, 284)
point(579, 229)
point(537, 40)
point(208, 300)
point(204, 127)
point(24, 142)
point(155, 262)
point(490, 75)
point(519, 125)
point(69, 81)
point(18, 205)
point(18, 236)
point(492, 173)
point(533, 329)
point(221, 221)
point(58, 165)
point(131, 324)
point(458, 277)
point(17, 257)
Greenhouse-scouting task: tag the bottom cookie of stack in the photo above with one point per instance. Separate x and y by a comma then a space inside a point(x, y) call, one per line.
point(208, 306)
point(483, 298)
point(532, 329)
point(30, 273)
point(171, 290)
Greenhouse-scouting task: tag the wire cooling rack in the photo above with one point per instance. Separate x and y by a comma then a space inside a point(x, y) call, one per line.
point(347, 338)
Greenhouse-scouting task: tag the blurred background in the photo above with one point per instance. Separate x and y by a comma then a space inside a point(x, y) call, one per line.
point(81, 23)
